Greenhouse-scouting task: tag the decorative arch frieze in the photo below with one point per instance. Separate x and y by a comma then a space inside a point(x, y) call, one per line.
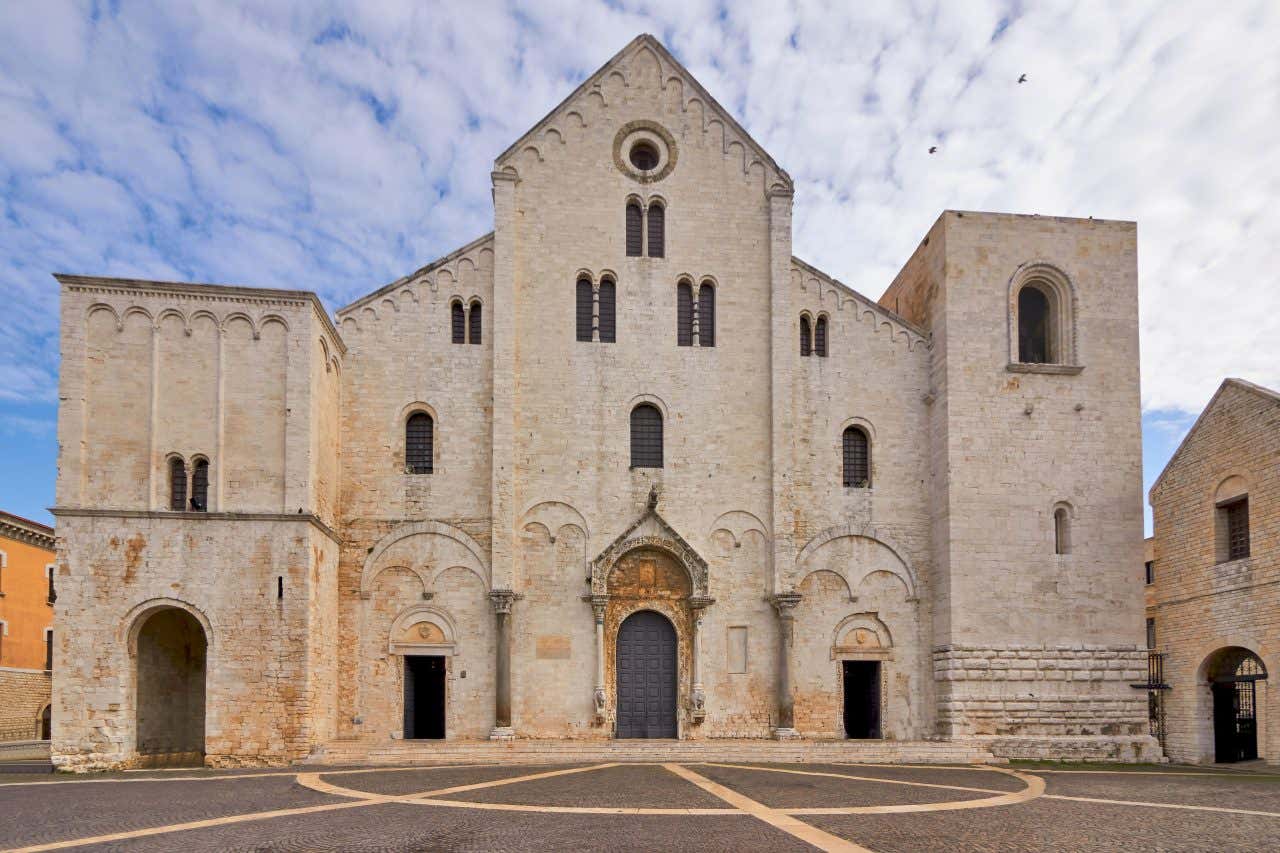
point(552, 517)
point(474, 556)
point(737, 522)
point(833, 297)
point(902, 568)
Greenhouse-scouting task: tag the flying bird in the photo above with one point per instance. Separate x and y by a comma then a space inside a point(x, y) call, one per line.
point(933, 149)
point(1022, 79)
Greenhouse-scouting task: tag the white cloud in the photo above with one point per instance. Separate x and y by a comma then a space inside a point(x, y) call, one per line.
point(336, 146)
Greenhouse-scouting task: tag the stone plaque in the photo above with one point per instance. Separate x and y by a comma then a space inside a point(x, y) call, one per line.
point(553, 647)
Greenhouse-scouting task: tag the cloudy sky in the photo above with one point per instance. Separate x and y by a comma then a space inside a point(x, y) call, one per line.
point(335, 147)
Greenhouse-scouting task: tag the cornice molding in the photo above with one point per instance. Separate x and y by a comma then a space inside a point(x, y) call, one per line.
point(85, 512)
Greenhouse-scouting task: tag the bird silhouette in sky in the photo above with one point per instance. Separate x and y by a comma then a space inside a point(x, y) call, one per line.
point(933, 149)
point(1022, 79)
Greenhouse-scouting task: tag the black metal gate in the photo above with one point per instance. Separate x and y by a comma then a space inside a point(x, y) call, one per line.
point(1235, 721)
point(646, 671)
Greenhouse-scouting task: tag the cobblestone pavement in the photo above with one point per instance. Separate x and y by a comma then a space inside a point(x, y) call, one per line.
point(688, 806)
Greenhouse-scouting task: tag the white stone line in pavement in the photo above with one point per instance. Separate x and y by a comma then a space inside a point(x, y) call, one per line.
point(853, 778)
point(1218, 774)
point(779, 820)
point(288, 774)
point(1161, 805)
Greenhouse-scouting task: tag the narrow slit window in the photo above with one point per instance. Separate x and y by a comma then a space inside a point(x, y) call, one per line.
point(48, 649)
point(657, 230)
point(606, 302)
point(200, 486)
point(646, 437)
point(820, 337)
point(857, 459)
point(684, 314)
point(177, 484)
point(419, 433)
point(706, 315)
point(635, 230)
point(583, 309)
point(1061, 531)
point(474, 323)
point(806, 339)
point(458, 322)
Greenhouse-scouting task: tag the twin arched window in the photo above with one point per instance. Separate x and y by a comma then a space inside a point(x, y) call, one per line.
point(419, 444)
point(857, 458)
point(635, 230)
point(695, 319)
point(646, 436)
point(595, 310)
point(466, 323)
point(179, 500)
point(813, 336)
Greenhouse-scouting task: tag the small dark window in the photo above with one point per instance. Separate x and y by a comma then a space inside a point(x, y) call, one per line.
point(1237, 518)
point(1151, 633)
point(1061, 531)
point(458, 320)
point(1151, 572)
point(46, 723)
point(706, 315)
point(657, 230)
point(48, 649)
point(857, 458)
point(200, 486)
point(583, 310)
point(474, 323)
point(805, 336)
point(820, 337)
point(1033, 326)
point(646, 437)
point(635, 230)
point(52, 595)
point(607, 303)
point(418, 436)
point(644, 156)
point(684, 314)
point(177, 484)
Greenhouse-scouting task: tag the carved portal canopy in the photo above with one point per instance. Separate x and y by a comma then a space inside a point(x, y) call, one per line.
point(651, 530)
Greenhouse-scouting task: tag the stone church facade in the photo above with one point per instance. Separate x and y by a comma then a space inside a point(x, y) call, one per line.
point(623, 467)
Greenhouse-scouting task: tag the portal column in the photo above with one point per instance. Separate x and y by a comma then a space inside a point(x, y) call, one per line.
point(785, 603)
point(598, 603)
point(698, 695)
point(502, 600)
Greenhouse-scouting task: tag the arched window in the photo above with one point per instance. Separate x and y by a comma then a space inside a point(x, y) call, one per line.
point(820, 337)
point(607, 300)
point(458, 320)
point(46, 723)
point(707, 315)
point(657, 230)
point(646, 436)
point(684, 314)
point(177, 484)
point(418, 437)
point(1033, 326)
point(584, 308)
point(806, 338)
point(474, 323)
point(1061, 531)
point(635, 229)
point(857, 458)
point(200, 486)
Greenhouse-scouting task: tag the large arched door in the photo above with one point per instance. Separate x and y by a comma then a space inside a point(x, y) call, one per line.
point(1234, 674)
point(170, 698)
point(646, 672)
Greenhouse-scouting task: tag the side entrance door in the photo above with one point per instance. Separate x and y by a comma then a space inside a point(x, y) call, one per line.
point(423, 697)
point(646, 672)
point(862, 699)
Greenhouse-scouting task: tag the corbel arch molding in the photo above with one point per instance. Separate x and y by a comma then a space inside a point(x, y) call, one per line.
point(737, 523)
point(552, 517)
point(476, 561)
point(414, 615)
point(904, 570)
point(1054, 282)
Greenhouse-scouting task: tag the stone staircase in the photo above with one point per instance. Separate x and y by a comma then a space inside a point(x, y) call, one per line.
point(520, 751)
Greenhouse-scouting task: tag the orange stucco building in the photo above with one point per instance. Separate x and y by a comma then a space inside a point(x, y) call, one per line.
point(26, 626)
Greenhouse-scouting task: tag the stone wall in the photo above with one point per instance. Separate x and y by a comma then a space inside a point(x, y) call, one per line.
point(24, 693)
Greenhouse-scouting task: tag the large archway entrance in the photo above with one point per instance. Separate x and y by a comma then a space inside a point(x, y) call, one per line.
point(170, 702)
point(646, 671)
point(1234, 673)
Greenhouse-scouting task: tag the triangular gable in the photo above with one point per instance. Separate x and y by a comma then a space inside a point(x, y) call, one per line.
point(1240, 384)
point(650, 529)
point(670, 69)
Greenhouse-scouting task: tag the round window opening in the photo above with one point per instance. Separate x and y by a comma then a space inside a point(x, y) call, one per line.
point(644, 156)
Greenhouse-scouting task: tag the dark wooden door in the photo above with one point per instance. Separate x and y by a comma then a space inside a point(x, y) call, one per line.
point(646, 670)
point(423, 697)
point(862, 699)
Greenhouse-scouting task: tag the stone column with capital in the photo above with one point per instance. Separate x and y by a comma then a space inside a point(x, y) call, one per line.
point(598, 603)
point(785, 603)
point(698, 695)
point(502, 599)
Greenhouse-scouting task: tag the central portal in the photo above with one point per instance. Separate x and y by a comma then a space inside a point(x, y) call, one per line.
point(646, 670)
point(423, 697)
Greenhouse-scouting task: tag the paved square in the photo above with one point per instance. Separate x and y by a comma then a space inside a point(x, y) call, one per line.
point(669, 806)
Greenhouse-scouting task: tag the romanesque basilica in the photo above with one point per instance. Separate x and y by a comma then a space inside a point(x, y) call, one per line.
point(623, 467)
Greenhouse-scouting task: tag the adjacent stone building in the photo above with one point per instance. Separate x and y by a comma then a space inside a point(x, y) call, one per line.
point(623, 467)
point(26, 627)
point(1214, 582)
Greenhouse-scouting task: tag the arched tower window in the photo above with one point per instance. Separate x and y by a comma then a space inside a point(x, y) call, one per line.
point(1061, 531)
point(706, 315)
point(200, 486)
point(657, 230)
point(474, 322)
point(1042, 319)
point(419, 435)
point(857, 458)
point(820, 337)
point(583, 309)
point(684, 314)
point(458, 322)
point(1034, 316)
point(177, 484)
point(607, 300)
point(635, 229)
point(806, 336)
point(646, 436)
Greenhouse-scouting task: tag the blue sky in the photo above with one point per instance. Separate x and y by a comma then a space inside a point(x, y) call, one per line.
point(334, 147)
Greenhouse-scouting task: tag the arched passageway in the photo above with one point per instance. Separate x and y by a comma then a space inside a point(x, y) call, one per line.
point(171, 688)
point(646, 667)
point(1233, 674)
